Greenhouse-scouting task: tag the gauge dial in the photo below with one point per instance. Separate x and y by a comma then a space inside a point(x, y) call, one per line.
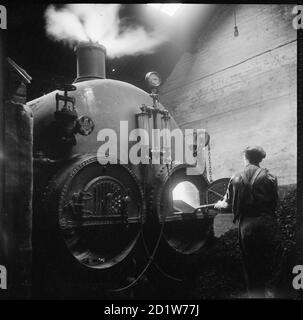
point(85, 125)
point(153, 79)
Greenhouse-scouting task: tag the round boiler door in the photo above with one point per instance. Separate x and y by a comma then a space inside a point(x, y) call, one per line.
point(185, 233)
point(100, 212)
point(178, 197)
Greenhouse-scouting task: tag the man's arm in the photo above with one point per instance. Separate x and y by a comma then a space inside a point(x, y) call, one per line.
point(226, 202)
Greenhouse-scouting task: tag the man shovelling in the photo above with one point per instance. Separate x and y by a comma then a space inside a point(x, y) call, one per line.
point(252, 195)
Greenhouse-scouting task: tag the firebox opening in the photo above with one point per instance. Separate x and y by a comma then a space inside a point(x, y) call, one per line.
point(186, 236)
point(185, 197)
point(184, 231)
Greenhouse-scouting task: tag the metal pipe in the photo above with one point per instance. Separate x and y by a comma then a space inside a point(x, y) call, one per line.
point(90, 61)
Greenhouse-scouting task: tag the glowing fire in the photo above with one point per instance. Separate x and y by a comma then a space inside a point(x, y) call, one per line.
point(187, 192)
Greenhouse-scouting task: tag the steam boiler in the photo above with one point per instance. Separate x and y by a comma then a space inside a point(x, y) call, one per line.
point(103, 227)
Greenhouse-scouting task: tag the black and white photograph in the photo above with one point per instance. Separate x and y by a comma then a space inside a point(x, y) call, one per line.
point(151, 151)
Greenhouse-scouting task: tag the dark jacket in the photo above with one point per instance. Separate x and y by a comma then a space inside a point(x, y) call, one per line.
point(264, 190)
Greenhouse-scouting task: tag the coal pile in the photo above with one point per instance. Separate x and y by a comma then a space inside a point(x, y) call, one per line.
point(287, 218)
point(221, 269)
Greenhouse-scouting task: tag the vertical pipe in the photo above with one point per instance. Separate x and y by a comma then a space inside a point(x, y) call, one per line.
point(90, 61)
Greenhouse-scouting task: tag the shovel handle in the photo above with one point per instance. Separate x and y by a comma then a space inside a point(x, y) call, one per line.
point(204, 206)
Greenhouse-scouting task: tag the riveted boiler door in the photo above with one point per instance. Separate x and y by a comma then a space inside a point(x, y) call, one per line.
point(183, 231)
point(94, 217)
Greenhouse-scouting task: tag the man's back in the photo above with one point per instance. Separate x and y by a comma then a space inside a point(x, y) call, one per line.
point(252, 195)
point(260, 198)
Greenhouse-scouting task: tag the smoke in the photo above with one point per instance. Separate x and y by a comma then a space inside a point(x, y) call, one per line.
point(99, 23)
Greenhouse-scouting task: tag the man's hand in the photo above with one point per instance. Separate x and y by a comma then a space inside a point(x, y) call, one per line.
point(221, 204)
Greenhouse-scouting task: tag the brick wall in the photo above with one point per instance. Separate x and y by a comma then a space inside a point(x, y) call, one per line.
point(242, 90)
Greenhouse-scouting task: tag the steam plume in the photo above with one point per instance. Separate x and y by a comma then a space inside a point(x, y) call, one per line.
point(99, 23)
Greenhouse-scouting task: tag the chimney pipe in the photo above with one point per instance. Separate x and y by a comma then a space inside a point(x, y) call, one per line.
point(90, 61)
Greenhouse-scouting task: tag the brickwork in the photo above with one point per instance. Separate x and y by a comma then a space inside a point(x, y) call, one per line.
point(242, 90)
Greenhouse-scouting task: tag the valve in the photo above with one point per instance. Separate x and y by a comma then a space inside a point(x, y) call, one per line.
point(66, 100)
point(67, 121)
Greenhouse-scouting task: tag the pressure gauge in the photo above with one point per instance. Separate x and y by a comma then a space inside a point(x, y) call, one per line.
point(85, 125)
point(153, 79)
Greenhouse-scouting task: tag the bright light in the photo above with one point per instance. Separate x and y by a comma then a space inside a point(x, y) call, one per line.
point(168, 8)
point(187, 192)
